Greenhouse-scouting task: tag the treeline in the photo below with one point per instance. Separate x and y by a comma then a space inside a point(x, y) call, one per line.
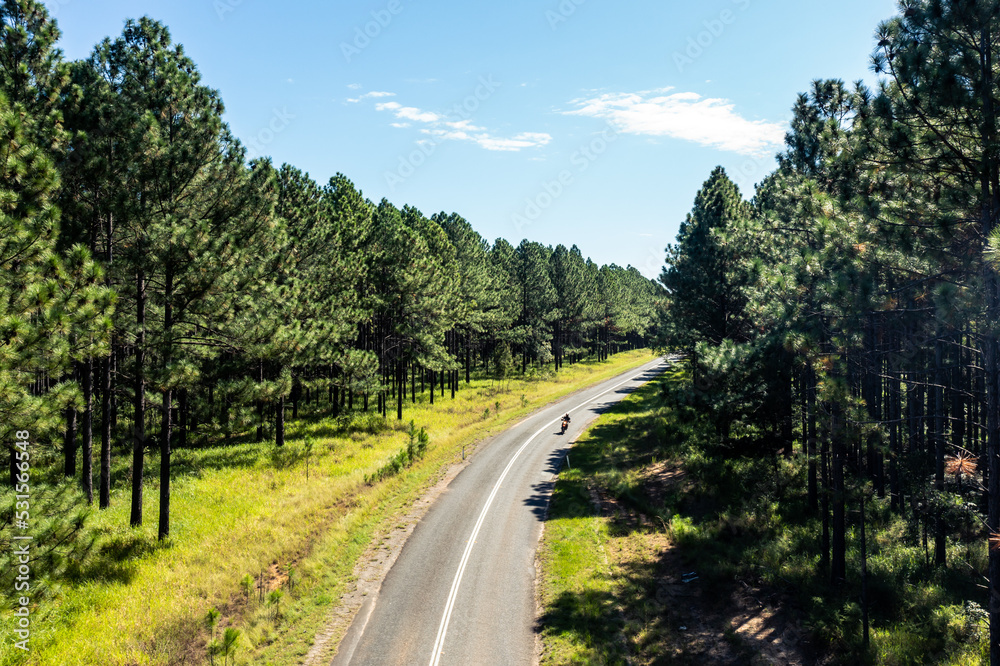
point(159, 290)
point(849, 312)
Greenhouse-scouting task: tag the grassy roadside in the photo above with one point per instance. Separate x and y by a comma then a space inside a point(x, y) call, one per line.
point(248, 510)
point(662, 548)
point(598, 554)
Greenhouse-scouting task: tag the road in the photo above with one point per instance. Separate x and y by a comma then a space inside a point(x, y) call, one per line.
point(462, 591)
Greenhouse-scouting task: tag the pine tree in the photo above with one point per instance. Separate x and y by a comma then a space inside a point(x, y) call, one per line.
point(33, 76)
point(705, 302)
point(190, 210)
point(936, 116)
point(537, 300)
point(479, 286)
point(578, 302)
point(52, 310)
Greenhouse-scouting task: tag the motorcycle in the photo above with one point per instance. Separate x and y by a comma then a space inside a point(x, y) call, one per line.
point(565, 424)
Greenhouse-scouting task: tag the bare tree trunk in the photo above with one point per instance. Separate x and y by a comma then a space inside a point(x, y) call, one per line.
point(105, 489)
point(163, 530)
point(813, 492)
point(69, 443)
point(87, 450)
point(940, 550)
point(279, 422)
point(139, 424)
point(838, 561)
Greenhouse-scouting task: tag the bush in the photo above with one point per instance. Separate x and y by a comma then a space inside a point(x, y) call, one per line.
point(415, 450)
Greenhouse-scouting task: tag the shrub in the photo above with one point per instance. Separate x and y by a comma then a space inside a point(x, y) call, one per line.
point(415, 450)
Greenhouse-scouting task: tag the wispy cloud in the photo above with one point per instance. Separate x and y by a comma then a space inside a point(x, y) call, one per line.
point(712, 122)
point(369, 95)
point(450, 127)
point(411, 113)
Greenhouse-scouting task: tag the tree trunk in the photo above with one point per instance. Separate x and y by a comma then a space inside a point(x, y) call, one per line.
point(864, 579)
point(184, 409)
point(813, 491)
point(895, 413)
point(105, 489)
point(87, 448)
point(788, 397)
point(940, 551)
point(69, 443)
point(991, 358)
point(164, 525)
point(260, 403)
point(279, 422)
point(400, 389)
point(825, 471)
point(167, 422)
point(991, 209)
point(106, 376)
point(838, 558)
point(139, 424)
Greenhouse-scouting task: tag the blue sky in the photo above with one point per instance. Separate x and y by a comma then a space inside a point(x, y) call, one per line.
point(563, 121)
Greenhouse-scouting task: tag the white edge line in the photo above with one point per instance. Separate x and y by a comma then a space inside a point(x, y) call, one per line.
point(456, 584)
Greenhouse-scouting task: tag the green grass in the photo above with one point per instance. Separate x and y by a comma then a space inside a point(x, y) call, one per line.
point(124, 599)
point(735, 520)
point(597, 570)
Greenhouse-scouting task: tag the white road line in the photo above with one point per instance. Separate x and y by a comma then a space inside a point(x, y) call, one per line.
point(449, 607)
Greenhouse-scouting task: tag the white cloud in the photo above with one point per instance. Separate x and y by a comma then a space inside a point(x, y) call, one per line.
point(416, 115)
point(688, 116)
point(519, 142)
point(370, 95)
point(464, 125)
point(490, 142)
point(443, 127)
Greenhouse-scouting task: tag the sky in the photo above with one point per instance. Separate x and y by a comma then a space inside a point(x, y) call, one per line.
point(585, 122)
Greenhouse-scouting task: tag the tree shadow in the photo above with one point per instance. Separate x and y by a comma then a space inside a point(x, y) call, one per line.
point(645, 608)
point(115, 561)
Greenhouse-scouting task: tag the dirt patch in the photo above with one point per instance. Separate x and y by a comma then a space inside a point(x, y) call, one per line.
point(697, 622)
point(740, 628)
point(661, 479)
point(767, 626)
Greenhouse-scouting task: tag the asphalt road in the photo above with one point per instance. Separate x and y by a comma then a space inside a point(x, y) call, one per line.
point(462, 590)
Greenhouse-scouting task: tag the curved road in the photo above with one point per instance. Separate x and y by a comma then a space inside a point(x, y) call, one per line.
point(463, 588)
